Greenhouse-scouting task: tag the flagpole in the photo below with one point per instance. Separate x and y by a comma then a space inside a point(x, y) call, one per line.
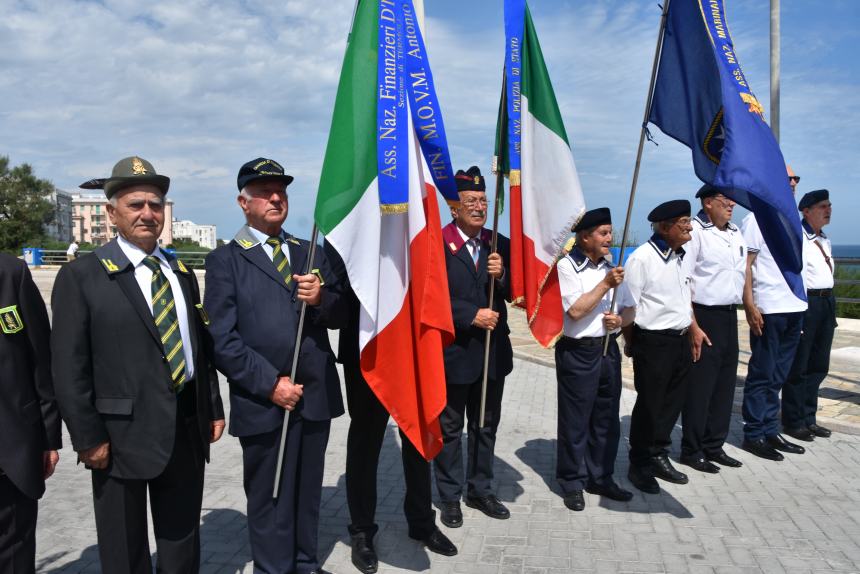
point(500, 188)
point(278, 468)
point(642, 133)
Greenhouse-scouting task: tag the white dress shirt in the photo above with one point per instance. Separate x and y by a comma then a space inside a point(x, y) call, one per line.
point(144, 280)
point(817, 274)
point(577, 275)
point(770, 291)
point(658, 285)
point(717, 260)
point(270, 251)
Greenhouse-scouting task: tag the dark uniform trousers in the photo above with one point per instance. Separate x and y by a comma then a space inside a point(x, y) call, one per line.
point(176, 496)
point(368, 422)
point(811, 363)
point(708, 407)
point(661, 373)
point(17, 528)
point(465, 401)
point(770, 362)
point(294, 515)
point(589, 391)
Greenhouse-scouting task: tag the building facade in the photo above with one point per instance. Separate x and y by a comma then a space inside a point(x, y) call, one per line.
point(60, 228)
point(91, 224)
point(203, 235)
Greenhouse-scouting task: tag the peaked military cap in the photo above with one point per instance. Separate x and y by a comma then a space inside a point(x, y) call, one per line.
point(127, 172)
point(261, 168)
point(812, 198)
point(470, 180)
point(593, 218)
point(670, 210)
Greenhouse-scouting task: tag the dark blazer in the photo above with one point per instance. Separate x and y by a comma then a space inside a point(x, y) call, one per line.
point(347, 340)
point(29, 416)
point(469, 289)
point(112, 378)
point(255, 317)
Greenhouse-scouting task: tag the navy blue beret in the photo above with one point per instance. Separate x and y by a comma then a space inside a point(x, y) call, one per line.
point(593, 218)
point(670, 210)
point(812, 198)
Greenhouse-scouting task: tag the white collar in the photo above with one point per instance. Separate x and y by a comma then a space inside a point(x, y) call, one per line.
point(465, 237)
point(135, 254)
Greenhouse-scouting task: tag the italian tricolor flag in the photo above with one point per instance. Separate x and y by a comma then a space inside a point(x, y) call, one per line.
point(545, 195)
point(395, 261)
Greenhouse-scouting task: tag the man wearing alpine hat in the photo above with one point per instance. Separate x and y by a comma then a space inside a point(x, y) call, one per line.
point(657, 284)
point(134, 380)
point(812, 358)
point(589, 382)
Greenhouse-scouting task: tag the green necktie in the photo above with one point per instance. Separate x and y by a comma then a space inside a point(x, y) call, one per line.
point(280, 260)
point(167, 322)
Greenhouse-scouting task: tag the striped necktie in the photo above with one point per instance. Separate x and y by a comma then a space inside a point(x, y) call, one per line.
point(167, 322)
point(280, 260)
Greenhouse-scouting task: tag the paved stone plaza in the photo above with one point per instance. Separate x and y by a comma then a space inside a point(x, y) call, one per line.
point(799, 515)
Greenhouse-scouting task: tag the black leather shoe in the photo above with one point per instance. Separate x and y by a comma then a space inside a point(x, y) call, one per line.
point(818, 430)
point(611, 491)
point(438, 543)
point(761, 449)
point(778, 442)
point(451, 515)
point(489, 505)
point(800, 433)
point(700, 464)
point(662, 468)
point(724, 459)
point(575, 501)
point(363, 554)
point(643, 480)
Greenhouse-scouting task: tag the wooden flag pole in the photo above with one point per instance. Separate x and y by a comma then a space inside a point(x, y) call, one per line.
point(278, 468)
point(642, 134)
point(500, 189)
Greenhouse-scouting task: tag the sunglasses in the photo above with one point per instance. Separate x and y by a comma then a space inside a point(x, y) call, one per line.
point(794, 178)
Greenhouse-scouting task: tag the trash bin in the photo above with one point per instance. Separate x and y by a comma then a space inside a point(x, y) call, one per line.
point(32, 255)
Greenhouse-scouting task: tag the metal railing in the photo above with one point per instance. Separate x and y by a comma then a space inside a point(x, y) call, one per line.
point(191, 259)
point(850, 262)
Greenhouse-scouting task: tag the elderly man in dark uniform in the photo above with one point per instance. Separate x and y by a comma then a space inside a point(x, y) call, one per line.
point(29, 416)
point(471, 267)
point(367, 428)
point(589, 382)
point(134, 380)
point(657, 284)
point(255, 288)
point(716, 259)
point(812, 358)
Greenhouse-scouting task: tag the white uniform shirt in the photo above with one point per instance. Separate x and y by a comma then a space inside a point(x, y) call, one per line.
point(578, 275)
point(817, 274)
point(658, 285)
point(270, 251)
point(717, 260)
point(770, 291)
point(144, 280)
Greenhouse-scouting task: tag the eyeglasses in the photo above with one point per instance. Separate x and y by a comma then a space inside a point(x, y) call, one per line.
point(724, 201)
point(683, 222)
point(474, 202)
point(794, 178)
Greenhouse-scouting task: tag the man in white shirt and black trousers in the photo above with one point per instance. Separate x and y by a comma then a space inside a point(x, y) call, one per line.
point(589, 382)
point(812, 359)
point(716, 259)
point(657, 283)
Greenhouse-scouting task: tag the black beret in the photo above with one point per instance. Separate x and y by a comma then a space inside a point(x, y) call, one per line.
point(470, 180)
point(707, 190)
point(670, 210)
point(593, 218)
point(261, 168)
point(812, 198)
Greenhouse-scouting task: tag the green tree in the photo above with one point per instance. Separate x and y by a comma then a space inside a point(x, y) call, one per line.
point(24, 208)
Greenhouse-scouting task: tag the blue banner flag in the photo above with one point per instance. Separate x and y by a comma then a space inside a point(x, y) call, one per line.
point(406, 82)
point(702, 99)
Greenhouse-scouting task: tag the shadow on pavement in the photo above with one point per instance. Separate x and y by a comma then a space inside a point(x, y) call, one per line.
point(89, 556)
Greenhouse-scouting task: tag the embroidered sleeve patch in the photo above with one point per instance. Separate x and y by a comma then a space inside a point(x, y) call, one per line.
point(10, 320)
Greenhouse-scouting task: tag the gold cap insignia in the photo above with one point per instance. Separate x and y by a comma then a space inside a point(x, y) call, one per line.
point(10, 320)
point(477, 179)
point(137, 166)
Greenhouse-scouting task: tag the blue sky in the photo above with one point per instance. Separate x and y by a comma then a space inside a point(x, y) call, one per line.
point(202, 86)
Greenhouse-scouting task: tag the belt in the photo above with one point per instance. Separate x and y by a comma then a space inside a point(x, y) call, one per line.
point(713, 307)
point(586, 341)
point(819, 292)
point(665, 332)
